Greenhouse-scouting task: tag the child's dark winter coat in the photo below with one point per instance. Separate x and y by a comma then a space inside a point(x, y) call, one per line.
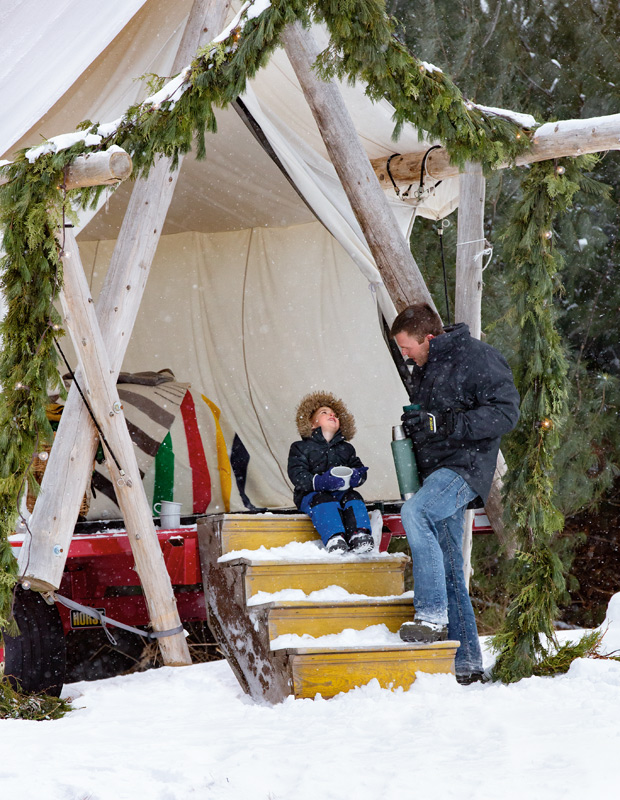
point(313, 455)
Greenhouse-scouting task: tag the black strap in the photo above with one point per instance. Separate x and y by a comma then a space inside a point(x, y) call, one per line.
point(103, 619)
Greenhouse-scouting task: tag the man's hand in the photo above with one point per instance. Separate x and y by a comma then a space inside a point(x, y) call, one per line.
point(440, 423)
point(358, 476)
point(326, 482)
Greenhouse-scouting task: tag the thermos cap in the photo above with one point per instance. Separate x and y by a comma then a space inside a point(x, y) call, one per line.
point(398, 433)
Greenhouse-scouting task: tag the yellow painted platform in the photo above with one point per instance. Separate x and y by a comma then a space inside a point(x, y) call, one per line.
point(251, 531)
point(372, 576)
point(320, 619)
point(330, 672)
point(246, 632)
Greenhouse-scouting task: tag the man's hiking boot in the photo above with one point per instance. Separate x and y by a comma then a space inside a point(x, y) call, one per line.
point(470, 677)
point(421, 631)
point(361, 542)
point(336, 544)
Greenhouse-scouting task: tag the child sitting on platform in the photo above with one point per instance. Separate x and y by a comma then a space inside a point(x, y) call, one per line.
point(336, 510)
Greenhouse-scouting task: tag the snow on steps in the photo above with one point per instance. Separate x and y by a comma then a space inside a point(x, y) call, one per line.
point(326, 623)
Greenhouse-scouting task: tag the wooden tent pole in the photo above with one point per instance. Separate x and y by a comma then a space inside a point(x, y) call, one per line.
point(99, 387)
point(70, 464)
point(468, 289)
point(468, 309)
point(387, 244)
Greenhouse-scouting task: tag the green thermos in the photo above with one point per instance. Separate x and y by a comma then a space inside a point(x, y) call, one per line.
point(404, 460)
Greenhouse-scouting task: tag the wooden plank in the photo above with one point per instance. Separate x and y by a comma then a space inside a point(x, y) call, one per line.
point(391, 252)
point(244, 639)
point(252, 539)
point(328, 674)
point(371, 577)
point(566, 138)
point(323, 619)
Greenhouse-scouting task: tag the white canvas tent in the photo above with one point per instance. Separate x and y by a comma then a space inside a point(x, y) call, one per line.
point(260, 291)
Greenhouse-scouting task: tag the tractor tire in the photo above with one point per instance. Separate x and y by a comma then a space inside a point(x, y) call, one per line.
point(35, 660)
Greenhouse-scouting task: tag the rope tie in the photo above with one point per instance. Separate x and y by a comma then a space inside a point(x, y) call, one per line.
point(121, 481)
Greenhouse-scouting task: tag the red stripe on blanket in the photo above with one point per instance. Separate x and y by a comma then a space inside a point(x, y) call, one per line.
point(201, 480)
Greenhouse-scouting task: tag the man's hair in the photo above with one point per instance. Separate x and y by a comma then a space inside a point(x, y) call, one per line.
point(417, 320)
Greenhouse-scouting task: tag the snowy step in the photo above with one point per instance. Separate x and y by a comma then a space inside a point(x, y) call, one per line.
point(251, 531)
point(320, 619)
point(370, 575)
point(330, 671)
point(337, 633)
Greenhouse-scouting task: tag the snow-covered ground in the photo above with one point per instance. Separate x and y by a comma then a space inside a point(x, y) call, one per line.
point(177, 734)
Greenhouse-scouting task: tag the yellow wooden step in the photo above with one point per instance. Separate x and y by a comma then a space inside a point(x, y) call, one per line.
point(320, 619)
point(251, 531)
point(329, 672)
point(379, 575)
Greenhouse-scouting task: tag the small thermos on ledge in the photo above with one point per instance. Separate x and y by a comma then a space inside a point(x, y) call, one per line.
point(404, 460)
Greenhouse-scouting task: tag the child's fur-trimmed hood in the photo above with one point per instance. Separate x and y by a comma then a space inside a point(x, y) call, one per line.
point(313, 401)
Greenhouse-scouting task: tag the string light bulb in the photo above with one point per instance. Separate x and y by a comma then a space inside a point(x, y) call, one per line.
point(560, 170)
point(546, 424)
point(548, 235)
point(469, 105)
point(43, 456)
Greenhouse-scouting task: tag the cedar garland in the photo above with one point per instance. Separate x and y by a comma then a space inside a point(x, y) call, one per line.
point(363, 46)
point(537, 581)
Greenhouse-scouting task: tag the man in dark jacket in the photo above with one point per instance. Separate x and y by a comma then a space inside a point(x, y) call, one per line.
point(466, 401)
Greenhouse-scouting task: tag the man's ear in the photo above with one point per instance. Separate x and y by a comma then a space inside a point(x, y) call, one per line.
point(430, 336)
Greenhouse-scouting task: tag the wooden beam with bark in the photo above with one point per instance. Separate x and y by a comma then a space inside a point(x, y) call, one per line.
point(392, 254)
point(99, 387)
point(104, 168)
point(566, 138)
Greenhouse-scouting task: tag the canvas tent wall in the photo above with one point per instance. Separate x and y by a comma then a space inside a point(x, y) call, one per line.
point(260, 291)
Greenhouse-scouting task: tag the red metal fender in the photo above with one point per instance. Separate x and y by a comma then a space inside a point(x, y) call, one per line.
point(100, 573)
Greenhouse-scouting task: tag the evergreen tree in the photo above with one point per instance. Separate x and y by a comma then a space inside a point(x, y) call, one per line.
point(554, 60)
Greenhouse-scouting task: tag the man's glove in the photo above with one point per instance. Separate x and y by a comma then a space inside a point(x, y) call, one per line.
point(439, 423)
point(326, 482)
point(358, 476)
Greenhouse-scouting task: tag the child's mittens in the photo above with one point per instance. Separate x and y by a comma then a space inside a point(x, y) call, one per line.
point(358, 476)
point(326, 482)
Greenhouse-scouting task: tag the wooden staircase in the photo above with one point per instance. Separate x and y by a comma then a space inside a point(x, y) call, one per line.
point(238, 562)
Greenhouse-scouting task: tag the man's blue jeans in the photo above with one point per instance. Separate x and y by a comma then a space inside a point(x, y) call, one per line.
point(433, 521)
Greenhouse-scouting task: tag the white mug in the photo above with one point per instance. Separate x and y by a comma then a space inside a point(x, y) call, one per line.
point(343, 472)
point(169, 514)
